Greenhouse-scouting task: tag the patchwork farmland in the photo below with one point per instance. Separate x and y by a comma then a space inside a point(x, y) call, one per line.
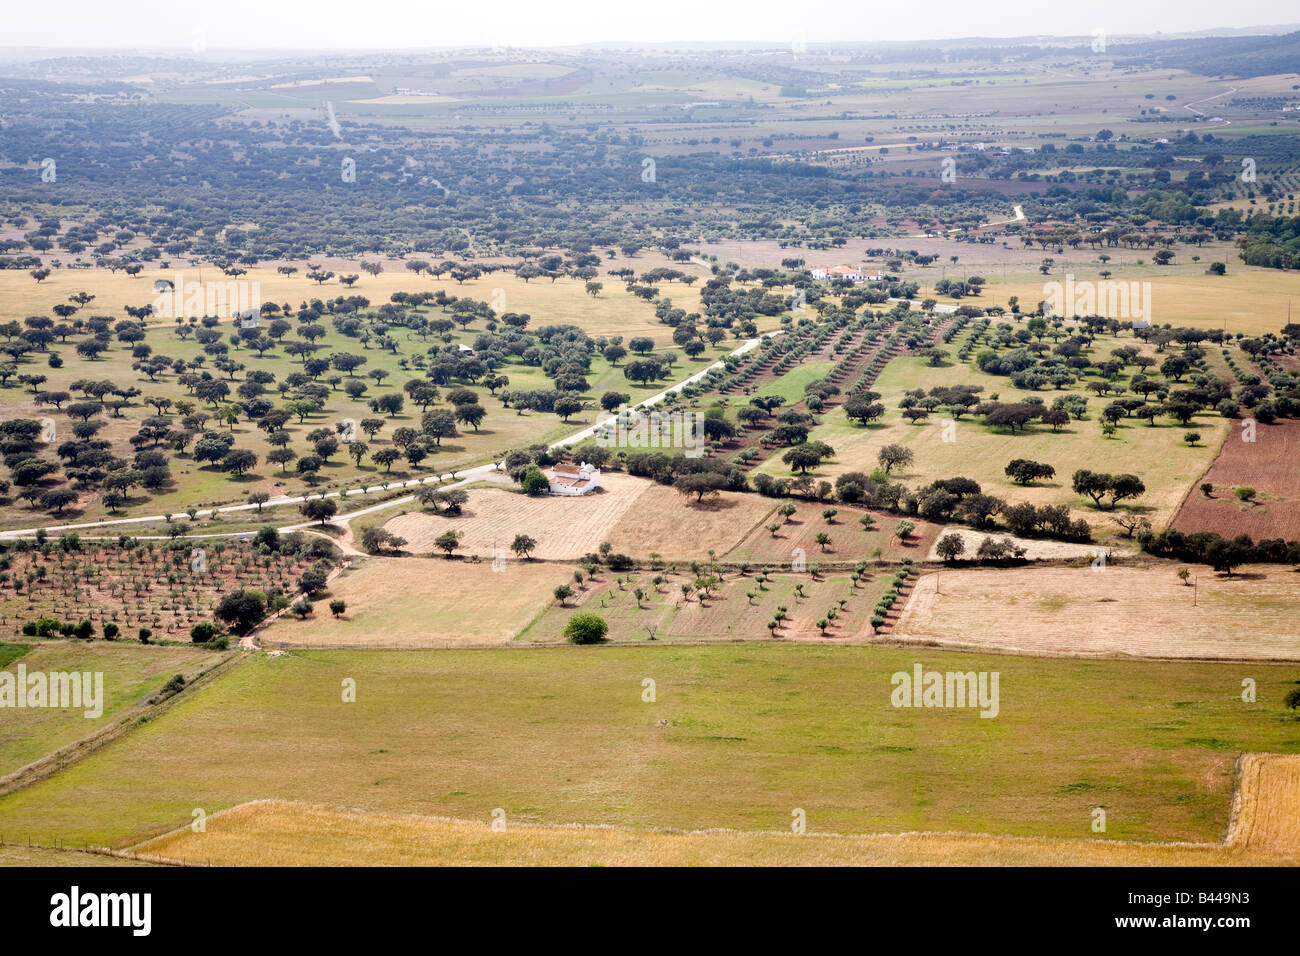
point(958, 567)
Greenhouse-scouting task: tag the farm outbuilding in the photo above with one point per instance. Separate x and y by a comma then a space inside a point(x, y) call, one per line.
point(574, 479)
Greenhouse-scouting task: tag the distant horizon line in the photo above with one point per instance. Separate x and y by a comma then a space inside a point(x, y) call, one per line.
point(246, 52)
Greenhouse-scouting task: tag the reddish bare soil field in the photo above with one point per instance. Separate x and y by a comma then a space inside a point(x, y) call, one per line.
point(1270, 465)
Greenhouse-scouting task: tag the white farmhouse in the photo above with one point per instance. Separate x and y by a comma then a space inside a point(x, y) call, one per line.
point(856, 276)
point(574, 479)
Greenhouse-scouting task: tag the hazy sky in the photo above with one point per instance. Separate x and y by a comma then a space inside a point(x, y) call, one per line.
point(402, 24)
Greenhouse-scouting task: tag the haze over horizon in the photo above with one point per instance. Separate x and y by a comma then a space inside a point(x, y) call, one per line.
point(151, 25)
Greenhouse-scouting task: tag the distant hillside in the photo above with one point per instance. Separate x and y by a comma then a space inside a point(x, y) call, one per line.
point(1220, 56)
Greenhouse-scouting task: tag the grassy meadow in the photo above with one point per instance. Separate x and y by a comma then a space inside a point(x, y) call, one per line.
point(738, 736)
point(131, 673)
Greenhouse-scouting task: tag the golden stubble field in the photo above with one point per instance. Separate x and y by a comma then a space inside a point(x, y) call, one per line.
point(1248, 300)
point(1266, 807)
point(1264, 830)
point(1137, 611)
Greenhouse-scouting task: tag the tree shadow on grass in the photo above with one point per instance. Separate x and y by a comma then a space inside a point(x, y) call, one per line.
point(717, 504)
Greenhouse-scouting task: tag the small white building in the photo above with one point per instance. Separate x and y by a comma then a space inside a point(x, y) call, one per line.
point(574, 479)
point(856, 276)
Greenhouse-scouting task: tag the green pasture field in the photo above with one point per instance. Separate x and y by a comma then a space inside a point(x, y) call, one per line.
point(738, 736)
point(131, 673)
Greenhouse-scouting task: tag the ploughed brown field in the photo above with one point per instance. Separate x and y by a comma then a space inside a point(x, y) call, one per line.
point(1271, 465)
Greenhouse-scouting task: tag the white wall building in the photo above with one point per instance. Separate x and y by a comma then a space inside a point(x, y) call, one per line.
point(856, 276)
point(574, 479)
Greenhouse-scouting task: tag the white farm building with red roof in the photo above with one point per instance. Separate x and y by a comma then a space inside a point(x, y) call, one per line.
point(574, 479)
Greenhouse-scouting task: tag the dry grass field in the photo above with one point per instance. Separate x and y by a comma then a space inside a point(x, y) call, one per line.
point(664, 522)
point(422, 602)
point(1248, 300)
point(850, 542)
point(636, 516)
point(739, 608)
point(1141, 612)
point(13, 855)
point(1266, 810)
point(563, 527)
point(1157, 455)
point(1036, 549)
point(278, 833)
